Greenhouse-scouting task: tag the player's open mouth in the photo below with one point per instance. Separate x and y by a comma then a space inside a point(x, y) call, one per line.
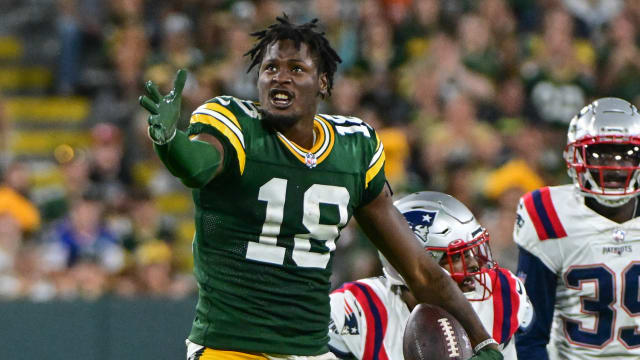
point(469, 284)
point(281, 99)
point(615, 181)
point(614, 184)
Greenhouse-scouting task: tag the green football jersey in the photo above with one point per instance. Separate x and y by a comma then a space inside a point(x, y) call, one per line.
point(266, 227)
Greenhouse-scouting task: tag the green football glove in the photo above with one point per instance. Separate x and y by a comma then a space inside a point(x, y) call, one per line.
point(165, 111)
point(487, 353)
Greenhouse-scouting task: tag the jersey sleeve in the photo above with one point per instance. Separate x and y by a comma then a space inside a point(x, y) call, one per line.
point(511, 307)
point(361, 320)
point(375, 178)
point(346, 333)
point(525, 310)
point(534, 228)
point(220, 117)
point(540, 282)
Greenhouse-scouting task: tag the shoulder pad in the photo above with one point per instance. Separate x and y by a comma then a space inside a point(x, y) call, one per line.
point(543, 215)
point(349, 125)
point(358, 129)
point(537, 219)
point(227, 115)
point(231, 107)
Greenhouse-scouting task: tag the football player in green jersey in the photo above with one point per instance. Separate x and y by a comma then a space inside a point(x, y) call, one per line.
point(273, 184)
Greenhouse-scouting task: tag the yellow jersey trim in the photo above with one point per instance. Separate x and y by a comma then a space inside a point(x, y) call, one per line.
point(224, 111)
point(213, 354)
point(320, 149)
point(236, 140)
point(376, 163)
point(332, 139)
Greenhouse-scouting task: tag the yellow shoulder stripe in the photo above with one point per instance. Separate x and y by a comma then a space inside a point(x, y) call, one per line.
point(377, 162)
point(224, 111)
point(373, 171)
point(227, 132)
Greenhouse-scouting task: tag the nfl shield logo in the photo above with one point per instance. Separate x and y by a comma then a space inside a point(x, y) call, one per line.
point(619, 235)
point(310, 160)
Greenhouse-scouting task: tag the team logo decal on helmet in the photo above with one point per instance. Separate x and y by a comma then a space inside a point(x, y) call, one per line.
point(447, 229)
point(420, 220)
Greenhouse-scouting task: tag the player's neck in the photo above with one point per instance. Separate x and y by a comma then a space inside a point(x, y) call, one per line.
point(301, 133)
point(618, 214)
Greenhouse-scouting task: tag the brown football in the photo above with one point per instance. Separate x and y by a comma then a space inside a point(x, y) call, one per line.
point(434, 334)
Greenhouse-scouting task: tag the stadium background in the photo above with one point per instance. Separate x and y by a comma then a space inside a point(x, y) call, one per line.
point(470, 97)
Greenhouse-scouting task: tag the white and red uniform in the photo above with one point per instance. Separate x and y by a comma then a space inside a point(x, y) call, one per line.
point(582, 273)
point(368, 318)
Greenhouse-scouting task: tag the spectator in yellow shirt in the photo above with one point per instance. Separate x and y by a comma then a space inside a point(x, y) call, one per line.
point(15, 204)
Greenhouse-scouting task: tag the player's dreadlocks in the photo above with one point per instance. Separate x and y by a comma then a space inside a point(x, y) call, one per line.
point(326, 57)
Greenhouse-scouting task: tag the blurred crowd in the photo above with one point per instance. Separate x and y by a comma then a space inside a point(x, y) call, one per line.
point(470, 97)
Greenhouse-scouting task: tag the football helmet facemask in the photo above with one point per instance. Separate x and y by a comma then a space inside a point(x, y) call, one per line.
point(603, 151)
point(447, 229)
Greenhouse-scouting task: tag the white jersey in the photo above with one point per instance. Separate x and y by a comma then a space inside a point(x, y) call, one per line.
point(596, 263)
point(368, 319)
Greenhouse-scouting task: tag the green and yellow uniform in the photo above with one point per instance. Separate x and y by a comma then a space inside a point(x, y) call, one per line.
point(266, 227)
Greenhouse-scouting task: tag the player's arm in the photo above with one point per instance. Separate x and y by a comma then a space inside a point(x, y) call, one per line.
point(195, 162)
point(389, 232)
point(540, 283)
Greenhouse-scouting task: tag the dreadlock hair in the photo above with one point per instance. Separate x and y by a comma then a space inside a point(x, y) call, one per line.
point(326, 57)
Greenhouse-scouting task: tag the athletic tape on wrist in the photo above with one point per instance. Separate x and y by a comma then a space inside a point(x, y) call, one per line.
point(482, 344)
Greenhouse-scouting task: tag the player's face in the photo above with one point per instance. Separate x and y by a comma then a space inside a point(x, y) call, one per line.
point(468, 283)
point(289, 84)
point(615, 156)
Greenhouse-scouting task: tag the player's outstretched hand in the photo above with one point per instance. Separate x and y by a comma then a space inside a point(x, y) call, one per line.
point(164, 110)
point(487, 353)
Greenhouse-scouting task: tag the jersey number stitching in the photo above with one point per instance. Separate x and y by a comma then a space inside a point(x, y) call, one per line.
point(602, 305)
point(274, 194)
point(349, 125)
